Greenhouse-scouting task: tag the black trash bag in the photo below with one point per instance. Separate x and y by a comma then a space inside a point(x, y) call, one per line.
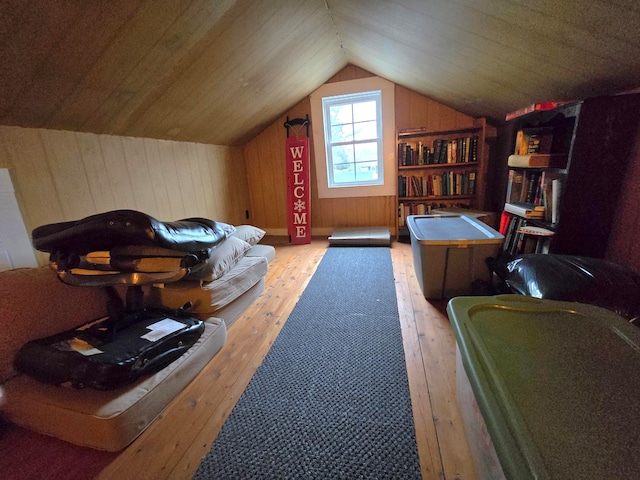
point(574, 279)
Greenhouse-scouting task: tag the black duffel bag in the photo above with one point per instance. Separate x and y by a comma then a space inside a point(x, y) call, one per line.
point(107, 354)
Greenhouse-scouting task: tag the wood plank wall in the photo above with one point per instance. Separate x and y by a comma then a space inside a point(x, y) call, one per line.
point(623, 245)
point(61, 176)
point(266, 175)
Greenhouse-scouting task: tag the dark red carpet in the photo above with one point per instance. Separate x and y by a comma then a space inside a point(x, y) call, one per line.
point(29, 455)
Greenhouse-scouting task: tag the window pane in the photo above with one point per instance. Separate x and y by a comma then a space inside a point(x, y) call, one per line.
point(367, 171)
point(342, 133)
point(344, 176)
point(342, 154)
point(364, 111)
point(340, 114)
point(342, 157)
point(366, 131)
point(366, 151)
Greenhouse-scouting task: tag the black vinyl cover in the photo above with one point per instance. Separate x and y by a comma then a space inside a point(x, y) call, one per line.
point(108, 230)
point(71, 358)
point(572, 278)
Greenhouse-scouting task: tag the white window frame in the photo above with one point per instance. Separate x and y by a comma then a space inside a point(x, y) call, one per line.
point(387, 172)
point(351, 100)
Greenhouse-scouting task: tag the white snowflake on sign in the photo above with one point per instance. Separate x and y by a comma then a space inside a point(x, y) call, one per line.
point(299, 205)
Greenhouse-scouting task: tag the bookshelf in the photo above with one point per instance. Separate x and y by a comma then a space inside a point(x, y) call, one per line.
point(439, 169)
point(571, 161)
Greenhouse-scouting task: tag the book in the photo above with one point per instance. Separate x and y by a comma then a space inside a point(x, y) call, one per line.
point(505, 219)
point(473, 156)
point(532, 186)
point(526, 210)
point(534, 107)
point(514, 187)
point(556, 187)
point(538, 161)
point(471, 187)
point(511, 237)
point(538, 231)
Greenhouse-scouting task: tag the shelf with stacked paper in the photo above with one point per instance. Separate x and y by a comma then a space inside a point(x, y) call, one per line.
point(439, 169)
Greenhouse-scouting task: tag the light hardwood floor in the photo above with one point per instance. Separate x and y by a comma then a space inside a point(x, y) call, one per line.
point(172, 447)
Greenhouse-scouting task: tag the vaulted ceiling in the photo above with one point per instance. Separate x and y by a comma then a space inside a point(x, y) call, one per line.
point(219, 71)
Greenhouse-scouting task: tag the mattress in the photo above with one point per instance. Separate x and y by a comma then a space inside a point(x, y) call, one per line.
point(108, 420)
point(260, 250)
point(209, 297)
point(230, 312)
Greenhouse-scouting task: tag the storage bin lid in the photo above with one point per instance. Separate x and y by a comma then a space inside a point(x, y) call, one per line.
point(451, 230)
point(556, 383)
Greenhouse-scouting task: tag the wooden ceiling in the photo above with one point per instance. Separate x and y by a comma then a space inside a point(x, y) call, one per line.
point(219, 71)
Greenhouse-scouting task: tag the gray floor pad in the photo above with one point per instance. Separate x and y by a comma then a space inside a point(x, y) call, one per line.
point(361, 236)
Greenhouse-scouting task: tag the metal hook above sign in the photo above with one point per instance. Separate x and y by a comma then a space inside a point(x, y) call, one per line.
point(302, 122)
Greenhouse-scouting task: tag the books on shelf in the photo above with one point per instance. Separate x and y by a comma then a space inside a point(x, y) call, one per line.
point(438, 168)
point(534, 107)
point(521, 237)
point(442, 151)
point(524, 209)
point(538, 160)
point(411, 208)
point(533, 141)
point(436, 185)
point(525, 186)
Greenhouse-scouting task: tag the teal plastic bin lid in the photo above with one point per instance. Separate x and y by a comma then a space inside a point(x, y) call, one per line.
point(557, 384)
point(451, 230)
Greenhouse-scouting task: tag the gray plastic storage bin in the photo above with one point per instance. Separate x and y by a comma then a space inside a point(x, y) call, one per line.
point(449, 253)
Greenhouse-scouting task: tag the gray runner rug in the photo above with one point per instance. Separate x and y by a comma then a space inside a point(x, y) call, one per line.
point(331, 398)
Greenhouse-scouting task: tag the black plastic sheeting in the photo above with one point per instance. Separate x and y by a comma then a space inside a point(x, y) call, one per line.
point(574, 279)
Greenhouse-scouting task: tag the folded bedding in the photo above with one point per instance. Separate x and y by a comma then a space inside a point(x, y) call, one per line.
point(225, 268)
point(209, 297)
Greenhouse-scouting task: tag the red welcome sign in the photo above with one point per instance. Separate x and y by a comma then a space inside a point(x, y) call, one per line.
point(298, 190)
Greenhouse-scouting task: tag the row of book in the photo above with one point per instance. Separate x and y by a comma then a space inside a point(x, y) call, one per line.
point(445, 184)
point(406, 209)
point(442, 151)
point(525, 186)
point(533, 142)
point(521, 236)
point(536, 187)
point(422, 208)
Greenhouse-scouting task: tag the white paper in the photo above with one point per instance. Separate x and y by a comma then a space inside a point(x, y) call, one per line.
point(162, 329)
point(82, 347)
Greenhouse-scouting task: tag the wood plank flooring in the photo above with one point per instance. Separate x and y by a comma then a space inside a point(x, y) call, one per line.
point(172, 447)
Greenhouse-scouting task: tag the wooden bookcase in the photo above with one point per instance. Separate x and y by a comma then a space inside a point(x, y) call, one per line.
point(595, 140)
point(436, 169)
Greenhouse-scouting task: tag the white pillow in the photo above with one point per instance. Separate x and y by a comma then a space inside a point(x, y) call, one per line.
point(222, 258)
point(228, 228)
point(249, 233)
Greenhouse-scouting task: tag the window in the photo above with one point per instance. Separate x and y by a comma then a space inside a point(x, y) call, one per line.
point(353, 139)
point(354, 158)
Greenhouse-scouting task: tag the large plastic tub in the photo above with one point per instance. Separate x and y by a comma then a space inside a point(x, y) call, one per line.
point(555, 383)
point(449, 253)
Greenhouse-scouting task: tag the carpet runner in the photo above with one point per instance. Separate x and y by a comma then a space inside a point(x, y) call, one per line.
point(331, 398)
